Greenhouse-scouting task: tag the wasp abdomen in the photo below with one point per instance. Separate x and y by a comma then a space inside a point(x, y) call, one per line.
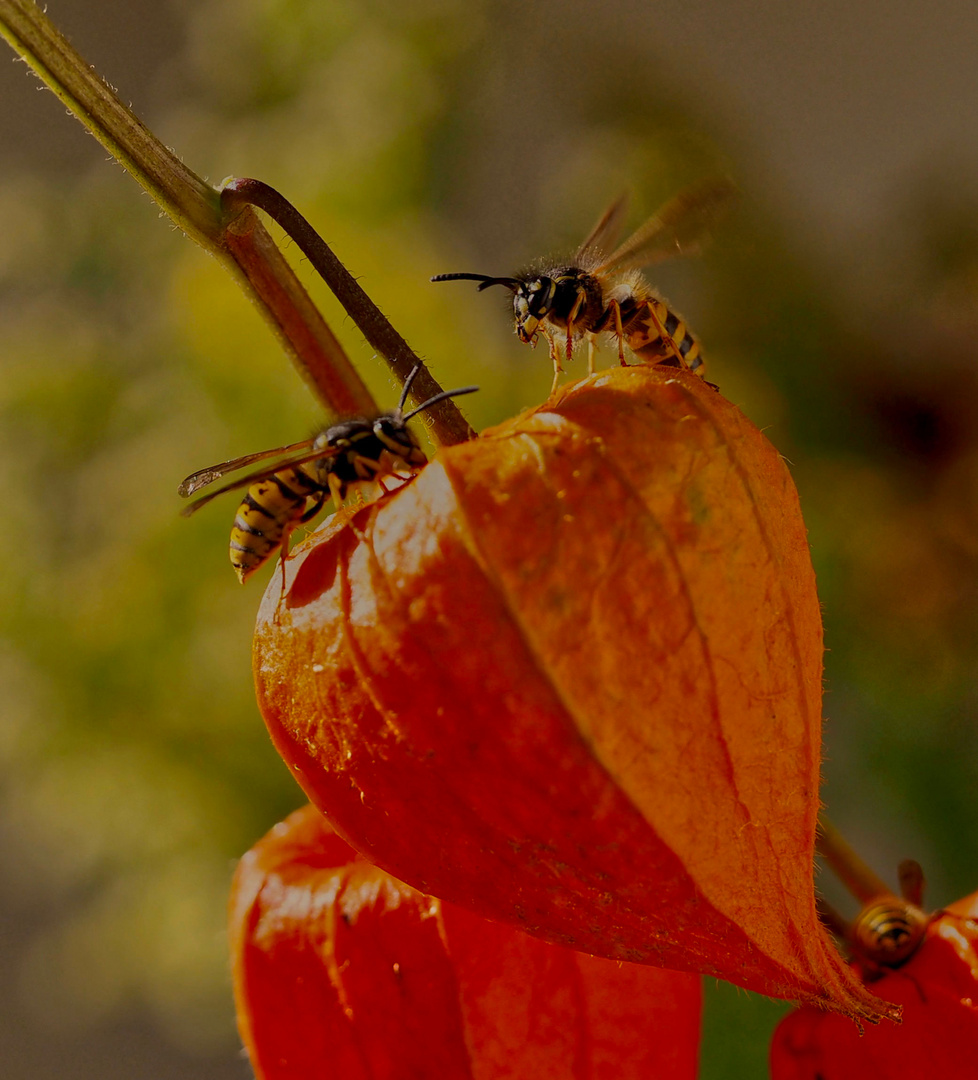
point(269, 508)
point(888, 931)
point(654, 332)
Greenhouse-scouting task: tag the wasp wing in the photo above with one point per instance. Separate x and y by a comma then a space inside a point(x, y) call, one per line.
point(676, 227)
point(203, 477)
point(262, 474)
point(605, 231)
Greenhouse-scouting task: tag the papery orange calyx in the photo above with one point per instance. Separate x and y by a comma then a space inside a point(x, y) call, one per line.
point(938, 991)
point(570, 677)
point(340, 970)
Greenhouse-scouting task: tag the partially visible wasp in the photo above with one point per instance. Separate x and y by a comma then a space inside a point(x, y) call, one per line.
point(595, 292)
point(294, 489)
point(889, 929)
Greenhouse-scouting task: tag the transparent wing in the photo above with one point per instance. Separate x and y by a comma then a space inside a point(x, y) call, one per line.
point(261, 474)
point(677, 228)
point(605, 231)
point(195, 481)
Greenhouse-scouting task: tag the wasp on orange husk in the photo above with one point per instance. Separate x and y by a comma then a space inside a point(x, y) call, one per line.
point(596, 292)
point(293, 489)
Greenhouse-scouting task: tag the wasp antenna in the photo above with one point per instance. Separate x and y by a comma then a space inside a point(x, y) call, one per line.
point(510, 283)
point(407, 387)
point(513, 284)
point(460, 277)
point(441, 397)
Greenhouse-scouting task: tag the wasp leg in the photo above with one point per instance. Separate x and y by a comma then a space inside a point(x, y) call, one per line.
point(619, 332)
point(308, 515)
point(575, 311)
point(314, 509)
point(555, 357)
point(336, 492)
point(592, 351)
point(283, 554)
point(666, 336)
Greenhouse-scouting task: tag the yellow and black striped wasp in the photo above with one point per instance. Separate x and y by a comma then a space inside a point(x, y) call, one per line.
point(889, 930)
point(293, 489)
point(597, 292)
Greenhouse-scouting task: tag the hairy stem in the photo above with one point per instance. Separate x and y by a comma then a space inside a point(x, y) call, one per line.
point(242, 245)
point(193, 204)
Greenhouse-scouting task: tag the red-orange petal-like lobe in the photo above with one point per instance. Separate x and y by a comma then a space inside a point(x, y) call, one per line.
point(342, 971)
point(570, 677)
point(938, 989)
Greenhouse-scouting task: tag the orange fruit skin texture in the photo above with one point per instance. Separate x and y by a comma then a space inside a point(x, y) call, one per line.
point(570, 677)
point(938, 989)
point(342, 971)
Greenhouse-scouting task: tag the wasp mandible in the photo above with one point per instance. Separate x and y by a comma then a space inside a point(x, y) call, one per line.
point(293, 489)
point(596, 292)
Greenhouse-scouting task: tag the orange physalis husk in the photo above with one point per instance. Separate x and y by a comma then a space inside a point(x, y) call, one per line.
point(342, 971)
point(938, 989)
point(570, 677)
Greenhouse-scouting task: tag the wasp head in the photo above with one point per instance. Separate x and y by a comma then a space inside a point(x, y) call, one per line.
point(554, 297)
point(532, 298)
point(398, 439)
point(533, 301)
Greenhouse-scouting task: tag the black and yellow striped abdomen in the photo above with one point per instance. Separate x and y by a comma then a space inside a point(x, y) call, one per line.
point(271, 507)
point(656, 333)
point(888, 931)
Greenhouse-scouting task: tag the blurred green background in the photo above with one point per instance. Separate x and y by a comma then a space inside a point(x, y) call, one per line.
point(837, 308)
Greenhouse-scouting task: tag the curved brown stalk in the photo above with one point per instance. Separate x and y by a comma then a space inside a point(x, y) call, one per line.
point(448, 424)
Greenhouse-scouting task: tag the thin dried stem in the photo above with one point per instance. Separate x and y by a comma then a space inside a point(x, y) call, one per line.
point(831, 919)
point(319, 356)
point(858, 878)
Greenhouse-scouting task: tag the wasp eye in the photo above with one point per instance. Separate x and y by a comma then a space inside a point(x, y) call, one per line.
point(538, 296)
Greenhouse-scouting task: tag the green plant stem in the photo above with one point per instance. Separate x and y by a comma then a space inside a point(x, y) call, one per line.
point(193, 204)
point(243, 245)
point(857, 877)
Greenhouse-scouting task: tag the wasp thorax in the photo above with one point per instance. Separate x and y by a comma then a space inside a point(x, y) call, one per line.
point(569, 298)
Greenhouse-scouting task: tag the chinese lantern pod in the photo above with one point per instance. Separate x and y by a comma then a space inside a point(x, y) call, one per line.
point(342, 971)
point(570, 678)
point(938, 989)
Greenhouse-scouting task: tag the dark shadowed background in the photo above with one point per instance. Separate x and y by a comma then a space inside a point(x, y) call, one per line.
point(837, 308)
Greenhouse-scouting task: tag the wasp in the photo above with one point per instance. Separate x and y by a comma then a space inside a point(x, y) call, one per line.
point(596, 292)
point(293, 489)
point(889, 929)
